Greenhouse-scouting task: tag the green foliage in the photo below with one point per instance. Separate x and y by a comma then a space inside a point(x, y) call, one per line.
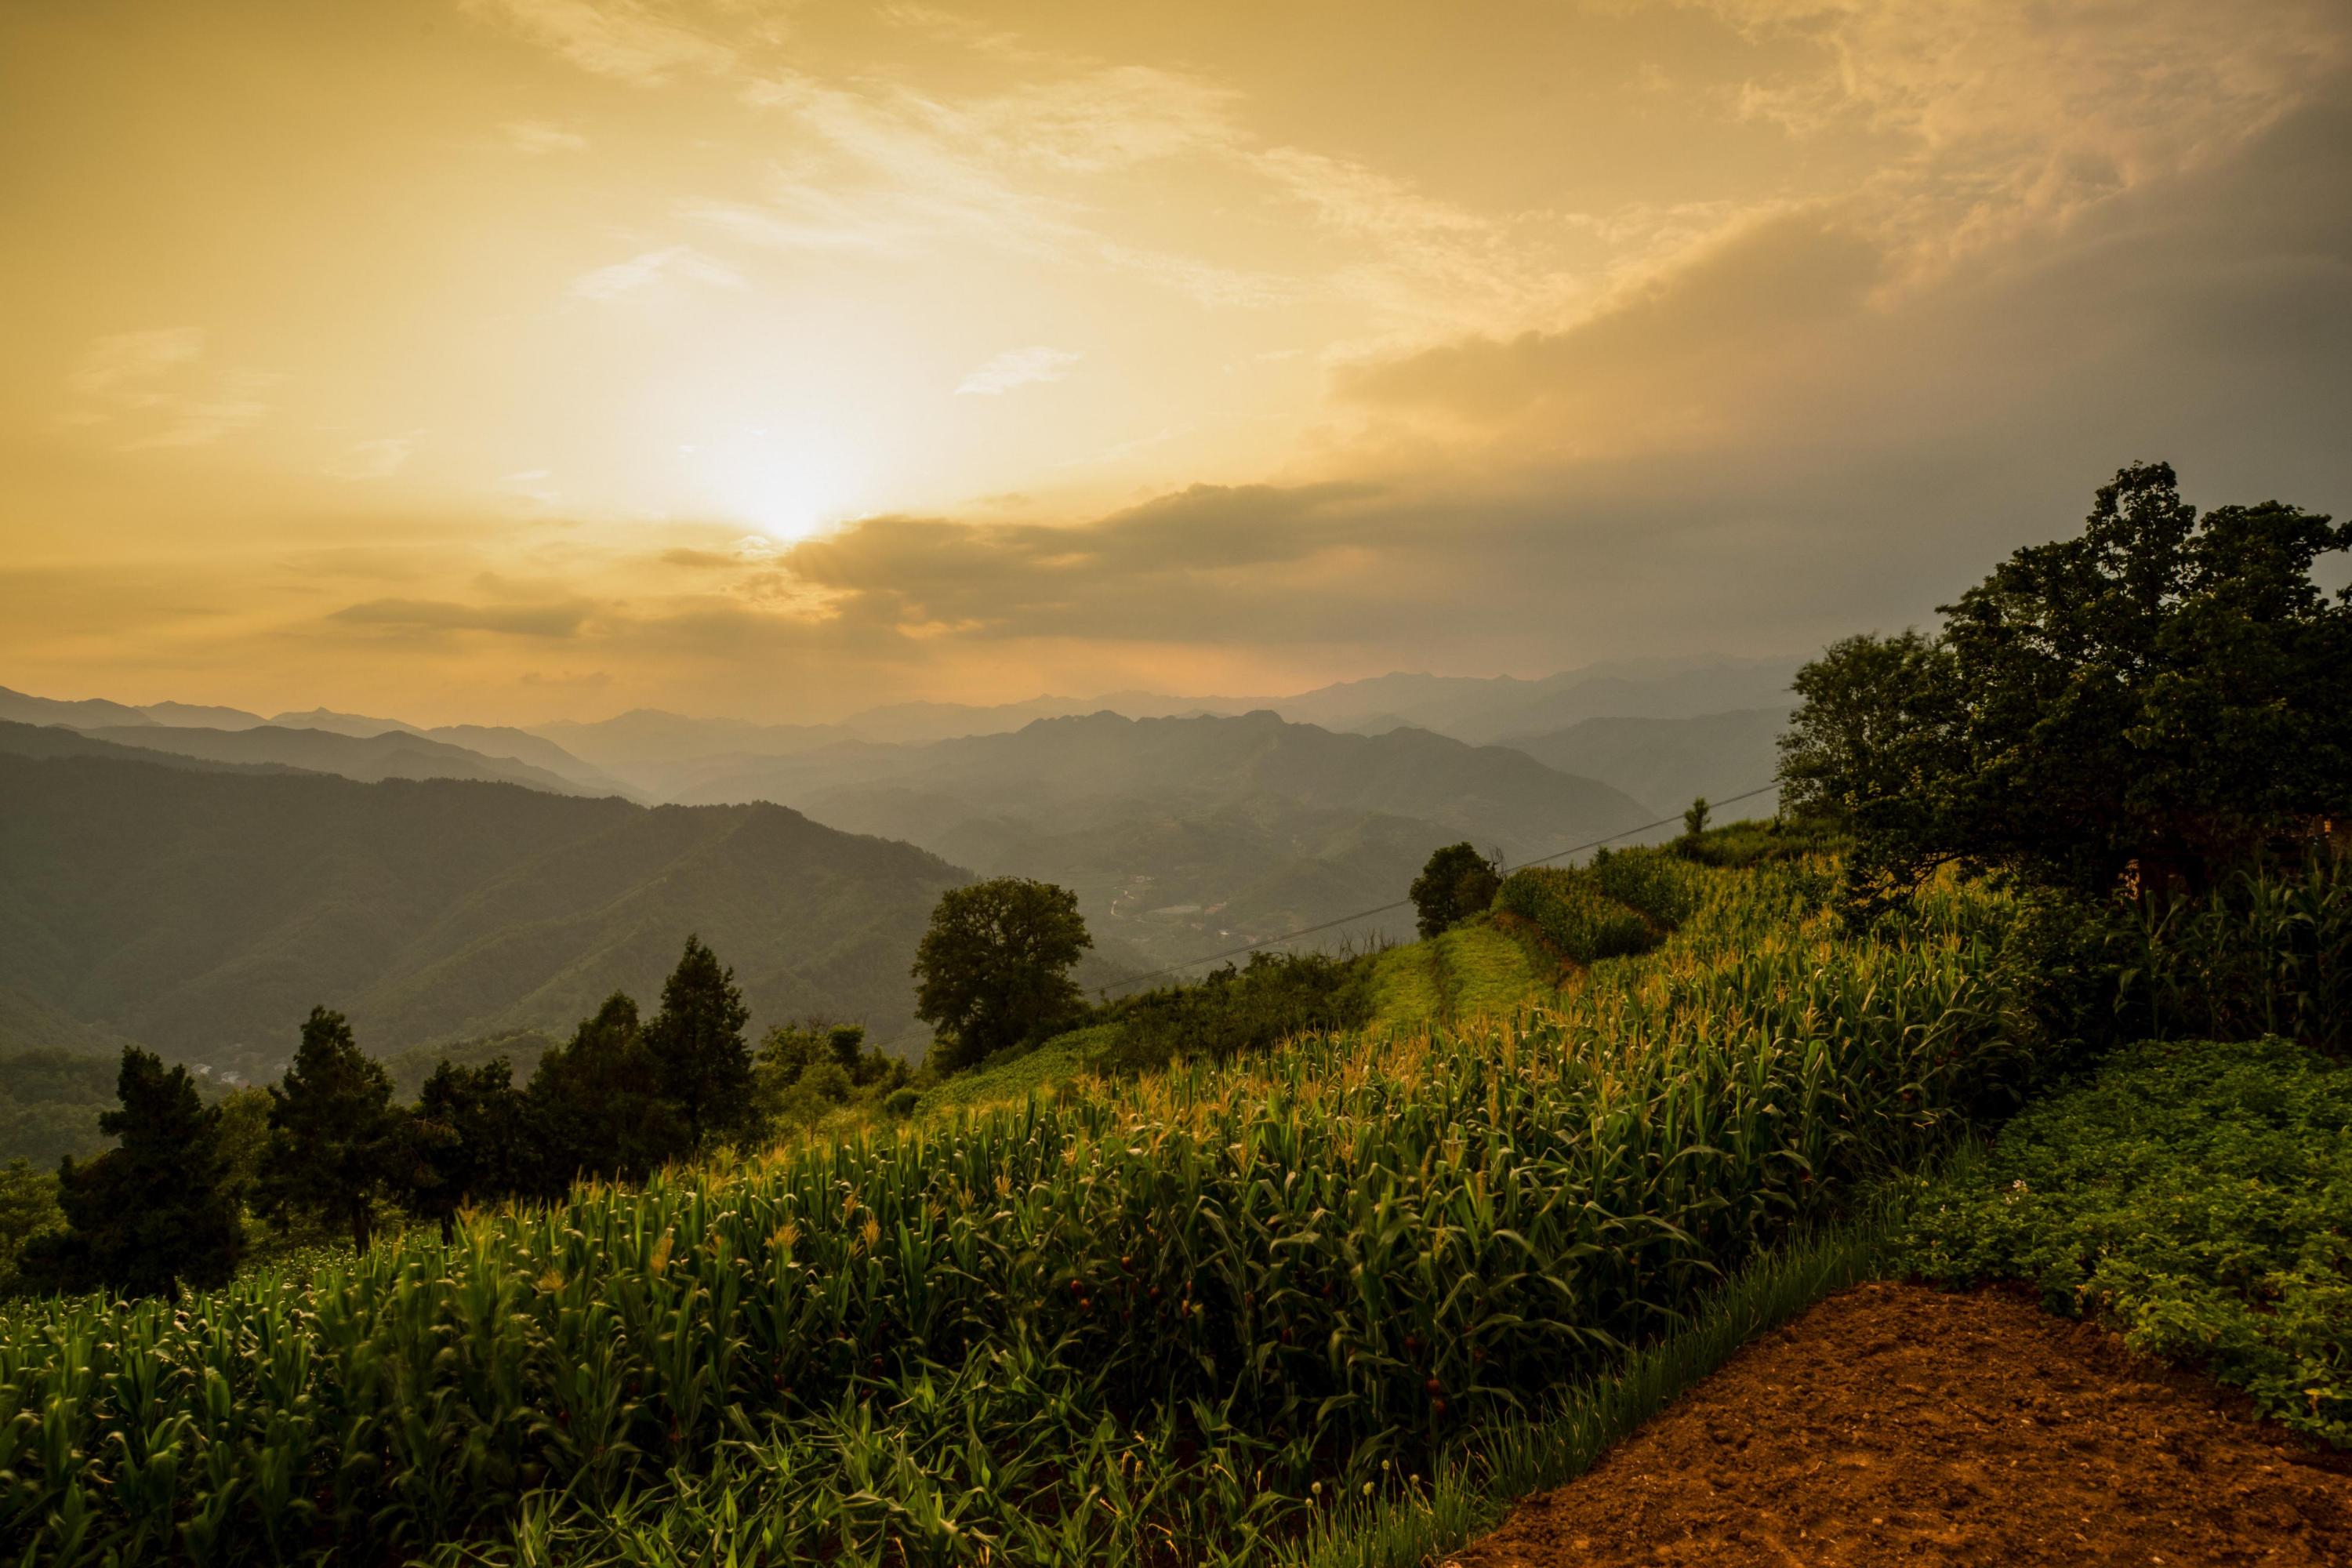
point(1656, 882)
point(1478, 969)
point(1582, 923)
point(28, 1207)
point(1740, 843)
point(2162, 692)
point(596, 1106)
point(1228, 1011)
point(804, 1072)
point(2263, 953)
point(993, 969)
point(1457, 882)
point(474, 1140)
point(50, 1102)
point(1143, 1319)
point(2197, 1196)
point(701, 1059)
point(154, 1212)
point(1695, 818)
point(338, 1147)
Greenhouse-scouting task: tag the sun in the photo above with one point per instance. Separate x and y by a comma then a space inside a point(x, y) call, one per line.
point(787, 482)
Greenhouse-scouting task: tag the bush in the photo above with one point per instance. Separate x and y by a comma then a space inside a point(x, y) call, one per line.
point(1235, 1010)
point(2199, 1198)
point(900, 1103)
point(1580, 921)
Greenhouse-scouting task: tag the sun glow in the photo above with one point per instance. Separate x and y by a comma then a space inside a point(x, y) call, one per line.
point(785, 482)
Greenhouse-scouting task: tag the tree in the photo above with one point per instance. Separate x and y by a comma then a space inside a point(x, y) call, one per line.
point(993, 969)
point(28, 1207)
point(473, 1138)
point(2162, 693)
point(1695, 818)
point(337, 1143)
point(1457, 883)
point(595, 1104)
point(696, 1040)
point(155, 1212)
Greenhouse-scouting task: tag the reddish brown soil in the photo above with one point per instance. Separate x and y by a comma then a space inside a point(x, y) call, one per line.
point(1892, 1424)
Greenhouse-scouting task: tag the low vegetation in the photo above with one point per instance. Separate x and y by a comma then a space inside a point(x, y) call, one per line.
point(2197, 1197)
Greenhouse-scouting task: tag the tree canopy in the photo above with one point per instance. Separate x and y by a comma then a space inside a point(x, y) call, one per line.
point(1457, 882)
point(2162, 694)
point(337, 1143)
point(993, 969)
point(153, 1213)
point(698, 1046)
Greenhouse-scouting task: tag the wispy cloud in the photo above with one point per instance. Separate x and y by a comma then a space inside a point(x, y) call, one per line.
point(374, 459)
point(538, 138)
point(557, 620)
point(141, 381)
point(650, 267)
point(1018, 367)
point(611, 37)
point(116, 366)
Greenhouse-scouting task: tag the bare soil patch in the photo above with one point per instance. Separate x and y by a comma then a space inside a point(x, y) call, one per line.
point(1895, 1424)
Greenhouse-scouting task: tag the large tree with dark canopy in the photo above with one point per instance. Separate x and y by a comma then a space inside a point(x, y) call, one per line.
point(473, 1138)
point(155, 1212)
point(2163, 693)
point(993, 970)
point(338, 1145)
point(1457, 883)
point(697, 1045)
point(596, 1106)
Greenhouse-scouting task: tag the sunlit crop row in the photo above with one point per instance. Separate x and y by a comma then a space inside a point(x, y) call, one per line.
point(1145, 1321)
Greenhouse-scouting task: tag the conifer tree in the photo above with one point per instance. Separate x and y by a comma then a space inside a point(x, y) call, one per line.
point(473, 1142)
point(595, 1103)
point(696, 1040)
point(155, 1212)
point(337, 1142)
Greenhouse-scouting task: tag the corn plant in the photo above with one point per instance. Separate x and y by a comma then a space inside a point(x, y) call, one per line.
point(1167, 1318)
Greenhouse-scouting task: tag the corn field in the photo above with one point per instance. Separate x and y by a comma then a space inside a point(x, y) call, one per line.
point(1176, 1319)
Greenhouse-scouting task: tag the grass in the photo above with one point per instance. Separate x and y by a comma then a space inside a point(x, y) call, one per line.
point(2197, 1196)
point(1475, 970)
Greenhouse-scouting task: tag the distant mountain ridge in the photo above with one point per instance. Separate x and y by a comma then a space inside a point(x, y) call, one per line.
point(1182, 835)
point(1670, 762)
point(203, 910)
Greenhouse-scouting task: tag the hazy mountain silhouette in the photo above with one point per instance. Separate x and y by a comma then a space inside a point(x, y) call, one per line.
point(203, 910)
point(1183, 834)
point(394, 754)
point(1667, 761)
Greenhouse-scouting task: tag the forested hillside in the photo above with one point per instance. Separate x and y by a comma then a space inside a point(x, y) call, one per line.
point(204, 911)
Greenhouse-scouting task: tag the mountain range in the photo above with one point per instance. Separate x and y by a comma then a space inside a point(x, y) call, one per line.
point(203, 908)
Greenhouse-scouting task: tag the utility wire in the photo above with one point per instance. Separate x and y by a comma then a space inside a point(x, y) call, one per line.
point(1139, 980)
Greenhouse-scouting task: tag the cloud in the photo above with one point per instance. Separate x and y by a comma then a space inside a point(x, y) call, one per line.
point(1657, 348)
point(610, 38)
point(114, 367)
point(557, 620)
point(377, 459)
point(1018, 367)
point(538, 138)
point(143, 379)
point(607, 283)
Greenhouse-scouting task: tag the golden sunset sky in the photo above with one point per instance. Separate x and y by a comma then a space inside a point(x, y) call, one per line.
point(519, 359)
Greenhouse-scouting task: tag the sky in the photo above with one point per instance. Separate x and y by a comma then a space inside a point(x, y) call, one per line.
point(512, 360)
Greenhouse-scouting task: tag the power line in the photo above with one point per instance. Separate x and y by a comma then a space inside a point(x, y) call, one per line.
point(1367, 914)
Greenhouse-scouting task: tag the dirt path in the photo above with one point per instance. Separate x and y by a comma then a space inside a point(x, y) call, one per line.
point(1894, 1425)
